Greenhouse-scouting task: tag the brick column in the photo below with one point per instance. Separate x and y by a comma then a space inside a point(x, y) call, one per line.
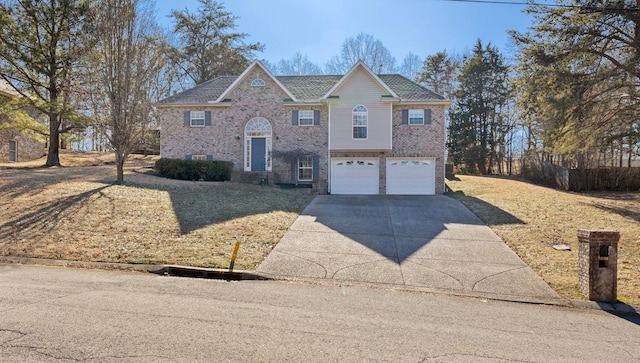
point(598, 264)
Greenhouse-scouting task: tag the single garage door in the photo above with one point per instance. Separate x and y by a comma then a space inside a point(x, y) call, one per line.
point(354, 175)
point(411, 176)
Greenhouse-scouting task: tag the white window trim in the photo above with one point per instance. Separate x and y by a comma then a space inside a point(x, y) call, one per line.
point(192, 118)
point(300, 118)
point(365, 126)
point(257, 83)
point(416, 118)
point(301, 168)
point(199, 157)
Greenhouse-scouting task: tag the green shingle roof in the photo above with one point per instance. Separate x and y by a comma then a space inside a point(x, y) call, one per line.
point(304, 88)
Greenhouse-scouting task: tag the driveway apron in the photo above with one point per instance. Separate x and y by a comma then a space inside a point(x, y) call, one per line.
point(429, 243)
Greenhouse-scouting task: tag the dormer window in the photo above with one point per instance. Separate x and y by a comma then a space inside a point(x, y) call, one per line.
point(257, 83)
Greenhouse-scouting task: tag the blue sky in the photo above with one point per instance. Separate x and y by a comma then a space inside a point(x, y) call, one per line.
point(318, 27)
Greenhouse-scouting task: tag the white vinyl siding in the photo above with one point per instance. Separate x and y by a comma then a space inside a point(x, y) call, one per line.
point(360, 89)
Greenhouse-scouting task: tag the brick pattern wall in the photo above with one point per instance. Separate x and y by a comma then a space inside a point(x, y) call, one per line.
point(224, 139)
point(597, 275)
point(420, 140)
point(28, 148)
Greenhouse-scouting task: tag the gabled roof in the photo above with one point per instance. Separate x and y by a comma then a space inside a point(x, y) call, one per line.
point(202, 93)
point(408, 90)
point(246, 72)
point(309, 88)
point(360, 64)
point(302, 88)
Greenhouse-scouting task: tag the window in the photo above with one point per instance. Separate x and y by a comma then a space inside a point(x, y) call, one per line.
point(360, 122)
point(416, 117)
point(13, 151)
point(305, 168)
point(198, 157)
point(197, 118)
point(305, 118)
point(257, 83)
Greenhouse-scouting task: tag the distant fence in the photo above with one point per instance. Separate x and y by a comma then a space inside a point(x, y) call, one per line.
point(621, 179)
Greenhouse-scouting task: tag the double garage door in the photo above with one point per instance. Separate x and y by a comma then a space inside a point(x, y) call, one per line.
point(406, 176)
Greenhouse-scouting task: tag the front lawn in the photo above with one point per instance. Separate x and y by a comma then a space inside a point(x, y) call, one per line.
point(76, 213)
point(531, 219)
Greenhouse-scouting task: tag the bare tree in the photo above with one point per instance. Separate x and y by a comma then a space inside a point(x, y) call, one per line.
point(366, 48)
point(411, 67)
point(298, 65)
point(130, 55)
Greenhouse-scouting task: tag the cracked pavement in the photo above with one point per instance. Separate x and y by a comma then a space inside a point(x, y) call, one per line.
point(66, 315)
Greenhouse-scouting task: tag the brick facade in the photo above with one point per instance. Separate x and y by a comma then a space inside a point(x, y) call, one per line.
point(225, 140)
point(28, 147)
point(598, 264)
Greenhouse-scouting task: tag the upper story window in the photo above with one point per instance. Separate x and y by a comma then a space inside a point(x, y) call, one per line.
point(257, 83)
point(360, 122)
point(197, 118)
point(305, 118)
point(416, 117)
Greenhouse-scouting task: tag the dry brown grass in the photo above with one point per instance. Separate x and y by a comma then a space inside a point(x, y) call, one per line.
point(531, 219)
point(83, 158)
point(77, 213)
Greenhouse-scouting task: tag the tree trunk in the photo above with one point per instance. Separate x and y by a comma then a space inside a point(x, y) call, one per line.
point(119, 169)
point(53, 157)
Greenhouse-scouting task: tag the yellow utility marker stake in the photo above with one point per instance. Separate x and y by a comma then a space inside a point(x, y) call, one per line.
point(233, 256)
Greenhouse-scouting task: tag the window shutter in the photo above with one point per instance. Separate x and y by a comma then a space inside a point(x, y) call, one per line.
point(316, 117)
point(187, 118)
point(405, 117)
point(427, 116)
point(209, 157)
point(316, 166)
point(207, 118)
point(188, 157)
point(294, 117)
point(294, 170)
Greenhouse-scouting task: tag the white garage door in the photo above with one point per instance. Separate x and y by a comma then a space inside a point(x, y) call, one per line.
point(354, 175)
point(411, 176)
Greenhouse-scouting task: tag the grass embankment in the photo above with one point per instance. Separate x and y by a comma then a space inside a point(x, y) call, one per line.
point(531, 219)
point(77, 213)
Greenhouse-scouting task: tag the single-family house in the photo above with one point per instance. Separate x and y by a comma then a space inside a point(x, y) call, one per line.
point(14, 144)
point(357, 133)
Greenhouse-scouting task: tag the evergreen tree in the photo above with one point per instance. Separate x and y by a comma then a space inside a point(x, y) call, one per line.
point(40, 43)
point(209, 47)
point(478, 121)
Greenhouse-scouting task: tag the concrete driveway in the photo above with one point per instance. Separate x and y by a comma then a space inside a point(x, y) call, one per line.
point(429, 243)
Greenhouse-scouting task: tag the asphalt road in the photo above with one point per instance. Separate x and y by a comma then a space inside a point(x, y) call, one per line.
point(59, 315)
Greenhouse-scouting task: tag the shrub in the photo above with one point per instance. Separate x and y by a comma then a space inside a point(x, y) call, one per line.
point(185, 169)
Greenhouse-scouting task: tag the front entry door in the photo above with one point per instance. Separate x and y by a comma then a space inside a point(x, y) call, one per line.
point(13, 151)
point(258, 154)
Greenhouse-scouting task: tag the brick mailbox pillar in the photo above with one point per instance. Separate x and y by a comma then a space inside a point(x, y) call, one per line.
point(598, 264)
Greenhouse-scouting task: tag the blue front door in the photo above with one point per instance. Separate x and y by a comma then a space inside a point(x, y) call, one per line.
point(258, 154)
